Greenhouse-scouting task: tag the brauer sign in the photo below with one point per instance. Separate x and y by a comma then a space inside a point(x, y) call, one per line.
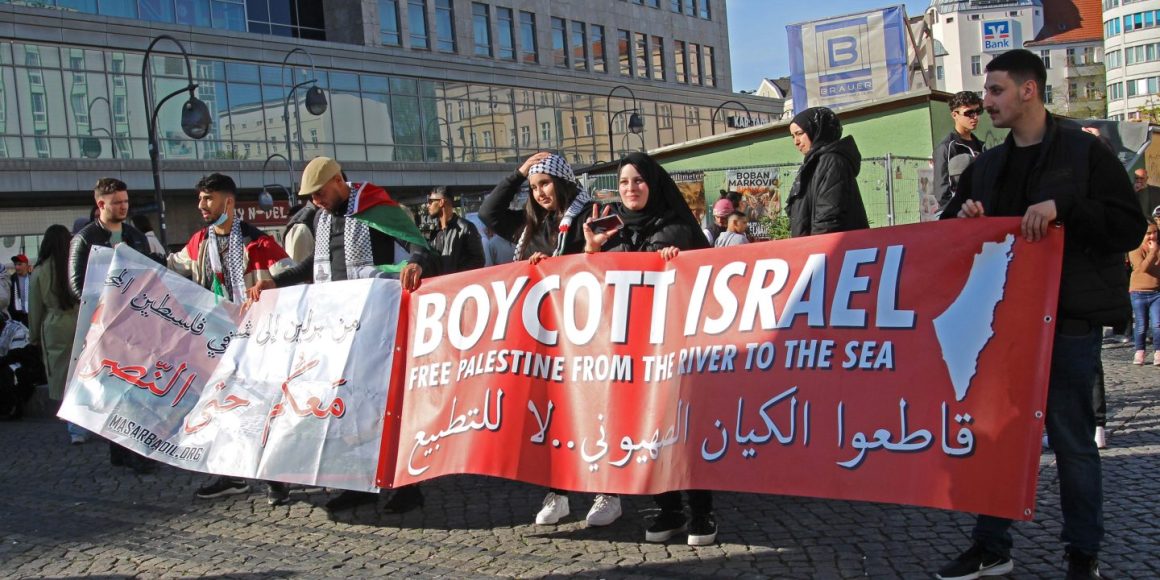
point(848, 59)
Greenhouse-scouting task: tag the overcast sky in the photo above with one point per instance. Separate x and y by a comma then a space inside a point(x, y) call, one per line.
point(757, 31)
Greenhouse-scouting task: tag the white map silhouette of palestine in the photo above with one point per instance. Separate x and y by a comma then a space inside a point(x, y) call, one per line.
point(966, 326)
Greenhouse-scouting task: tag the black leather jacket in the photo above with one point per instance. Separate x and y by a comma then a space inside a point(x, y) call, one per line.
point(95, 234)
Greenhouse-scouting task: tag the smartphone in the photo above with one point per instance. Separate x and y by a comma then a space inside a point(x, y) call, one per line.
point(606, 223)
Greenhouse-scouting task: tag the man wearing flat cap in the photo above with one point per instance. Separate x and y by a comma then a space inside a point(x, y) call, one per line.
point(21, 275)
point(356, 229)
point(350, 249)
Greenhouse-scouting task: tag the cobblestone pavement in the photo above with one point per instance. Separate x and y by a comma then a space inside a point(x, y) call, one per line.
point(64, 512)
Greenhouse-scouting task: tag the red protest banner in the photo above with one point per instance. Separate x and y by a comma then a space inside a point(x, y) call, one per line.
point(904, 365)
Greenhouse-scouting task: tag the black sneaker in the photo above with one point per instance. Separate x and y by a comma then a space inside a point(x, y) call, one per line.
point(223, 486)
point(1081, 566)
point(974, 563)
point(405, 499)
point(349, 500)
point(702, 530)
point(665, 526)
point(277, 493)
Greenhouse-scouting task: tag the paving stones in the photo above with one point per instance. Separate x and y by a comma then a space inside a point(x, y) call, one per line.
point(65, 513)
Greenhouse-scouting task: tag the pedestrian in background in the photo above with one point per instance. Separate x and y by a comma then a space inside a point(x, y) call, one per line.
point(961, 142)
point(734, 234)
point(53, 315)
point(142, 223)
point(1144, 288)
point(825, 196)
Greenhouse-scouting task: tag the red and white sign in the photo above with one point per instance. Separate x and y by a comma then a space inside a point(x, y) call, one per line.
point(904, 365)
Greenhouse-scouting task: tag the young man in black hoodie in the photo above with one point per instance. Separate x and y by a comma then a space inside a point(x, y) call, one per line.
point(1047, 172)
point(965, 107)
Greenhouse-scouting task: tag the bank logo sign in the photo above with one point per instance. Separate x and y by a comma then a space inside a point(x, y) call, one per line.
point(849, 59)
point(999, 35)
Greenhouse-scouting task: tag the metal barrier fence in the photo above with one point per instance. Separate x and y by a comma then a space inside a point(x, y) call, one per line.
point(893, 187)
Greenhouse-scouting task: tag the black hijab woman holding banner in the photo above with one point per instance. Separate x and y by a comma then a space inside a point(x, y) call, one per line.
point(825, 196)
point(654, 217)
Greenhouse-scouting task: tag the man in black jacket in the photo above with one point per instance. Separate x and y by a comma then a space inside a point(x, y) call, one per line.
point(456, 239)
point(1046, 172)
point(109, 229)
point(965, 107)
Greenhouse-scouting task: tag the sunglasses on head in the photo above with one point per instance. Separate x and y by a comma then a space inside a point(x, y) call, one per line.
point(972, 113)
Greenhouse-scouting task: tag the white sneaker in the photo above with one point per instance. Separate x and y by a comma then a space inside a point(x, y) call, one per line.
point(605, 510)
point(555, 509)
point(1138, 358)
point(1101, 438)
point(77, 439)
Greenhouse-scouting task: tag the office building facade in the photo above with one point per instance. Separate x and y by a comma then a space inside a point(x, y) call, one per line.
point(418, 92)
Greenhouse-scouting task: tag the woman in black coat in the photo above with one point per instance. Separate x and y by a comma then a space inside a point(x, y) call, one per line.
point(657, 218)
point(825, 196)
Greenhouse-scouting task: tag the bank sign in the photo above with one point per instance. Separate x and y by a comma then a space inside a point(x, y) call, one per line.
point(847, 60)
point(1000, 35)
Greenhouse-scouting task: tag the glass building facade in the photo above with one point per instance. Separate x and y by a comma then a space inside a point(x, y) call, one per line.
point(57, 101)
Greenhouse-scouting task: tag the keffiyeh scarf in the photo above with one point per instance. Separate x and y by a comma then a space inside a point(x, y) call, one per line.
point(234, 270)
point(356, 240)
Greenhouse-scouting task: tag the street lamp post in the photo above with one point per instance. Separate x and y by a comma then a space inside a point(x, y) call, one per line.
point(315, 101)
point(713, 120)
point(195, 119)
point(267, 186)
point(450, 147)
point(91, 146)
point(635, 121)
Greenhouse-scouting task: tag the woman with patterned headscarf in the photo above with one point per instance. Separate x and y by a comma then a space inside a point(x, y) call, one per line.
point(825, 196)
point(544, 227)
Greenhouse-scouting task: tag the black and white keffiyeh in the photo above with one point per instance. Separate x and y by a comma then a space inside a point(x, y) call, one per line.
point(356, 239)
point(557, 166)
point(234, 272)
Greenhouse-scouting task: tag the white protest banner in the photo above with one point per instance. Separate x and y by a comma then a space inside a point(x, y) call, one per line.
point(145, 358)
point(301, 392)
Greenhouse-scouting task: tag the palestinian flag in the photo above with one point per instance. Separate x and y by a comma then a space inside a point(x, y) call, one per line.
point(373, 206)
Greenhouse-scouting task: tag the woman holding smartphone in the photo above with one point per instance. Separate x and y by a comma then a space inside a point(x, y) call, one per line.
point(542, 229)
point(656, 218)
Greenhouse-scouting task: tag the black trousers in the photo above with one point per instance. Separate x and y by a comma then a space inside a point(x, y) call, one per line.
point(700, 501)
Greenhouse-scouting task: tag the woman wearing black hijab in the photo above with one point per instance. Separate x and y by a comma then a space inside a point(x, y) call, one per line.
point(825, 196)
point(657, 219)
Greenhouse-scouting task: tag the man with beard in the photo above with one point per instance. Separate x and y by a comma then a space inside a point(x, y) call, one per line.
point(228, 256)
point(351, 241)
point(108, 229)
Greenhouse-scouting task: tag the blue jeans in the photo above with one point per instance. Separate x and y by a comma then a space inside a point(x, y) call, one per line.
point(1145, 309)
point(1071, 426)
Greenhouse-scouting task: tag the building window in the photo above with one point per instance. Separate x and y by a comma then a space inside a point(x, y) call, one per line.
point(653, 3)
point(640, 52)
point(444, 26)
point(545, 133)
point(575, 126)
point(624, 51)
point(679, 61)
point(704, 12)
point(588, 127)
point(559, 43)
point(528, 51)
point(487, 142)
point(579, 45)
point(1115, 91)
point(690, 8)
point(417, 24)
point(708, 78)
point(598, 62)
point(507, 34)
point(675, 6)
point(658, 58)
point(389, 23)
point(481, 27)
point(938, 72)
point(976, 66)
point(1113, 59)
point(1046, 56)
point(694, 55)
point(1047, 96)
point(525, 136)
